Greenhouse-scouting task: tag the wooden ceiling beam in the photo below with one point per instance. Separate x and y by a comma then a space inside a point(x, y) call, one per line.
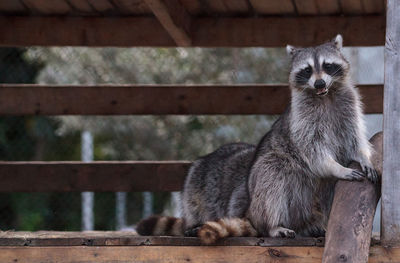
point(174, 18)
point(205, 32)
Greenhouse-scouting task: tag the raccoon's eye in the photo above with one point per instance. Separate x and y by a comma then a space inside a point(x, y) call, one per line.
point(327, 66)
point(332, 69)
point(308, 70)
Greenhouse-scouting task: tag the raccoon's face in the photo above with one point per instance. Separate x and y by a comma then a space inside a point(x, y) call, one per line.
point(317, 69)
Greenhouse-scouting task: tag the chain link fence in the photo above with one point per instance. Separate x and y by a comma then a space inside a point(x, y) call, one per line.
point(60, 138)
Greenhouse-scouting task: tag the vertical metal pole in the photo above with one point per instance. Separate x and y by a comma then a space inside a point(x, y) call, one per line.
point(147, 204)
point(87, 197)
point(120, 210)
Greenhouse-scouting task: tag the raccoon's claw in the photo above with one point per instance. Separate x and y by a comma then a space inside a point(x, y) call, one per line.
point(282, 232)
point(288, 233)
point(355, 176)
point(371, 173)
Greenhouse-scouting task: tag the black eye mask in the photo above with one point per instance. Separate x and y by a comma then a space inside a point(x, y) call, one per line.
point(304, 75)
point(332, 69)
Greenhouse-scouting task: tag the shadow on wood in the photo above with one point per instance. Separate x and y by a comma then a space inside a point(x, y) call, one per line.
point(348, 236)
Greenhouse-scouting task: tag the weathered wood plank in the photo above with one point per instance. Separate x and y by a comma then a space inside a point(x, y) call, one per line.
point(350, 223)
point(12, 7)
point(82, 7)
point(352, 7)
point(328, 7)
point(170, 99)
point(205, 32)
point(174, 18)
point(161, 254)
point(95, 176)
point(137, 7)
point(102, 6)
point(373, 6)
point(390, 233)
point(306, 7)
point(278, 31)
point(124, 238)
point(82, 31)
point(45, 7)
point(179, 254)
point(273, 7)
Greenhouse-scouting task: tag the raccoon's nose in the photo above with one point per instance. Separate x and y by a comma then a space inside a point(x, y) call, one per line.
point(319, 84)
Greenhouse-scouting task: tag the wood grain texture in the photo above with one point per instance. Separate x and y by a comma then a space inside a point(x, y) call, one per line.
point(373, 6)
point(273, 7)
point(181, 254)
point(205, 32)
point(46, 7)
point(12, 7)
point(328, 7)
point(348, 235)
point(170, 99)
point(278, 31)
point(351, 7)
point(102, 6)
point(82, 31)
point(390, 233)
point(82, 7)
point(174, 18)
point(110, 176)
point(130, 238)
point(136, 7)
point(306, 7)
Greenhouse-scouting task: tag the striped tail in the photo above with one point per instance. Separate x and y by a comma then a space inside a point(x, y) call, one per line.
point(160, 226)
point(212, 231)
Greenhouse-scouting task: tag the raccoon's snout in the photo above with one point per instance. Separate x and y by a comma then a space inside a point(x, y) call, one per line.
point(319, 84)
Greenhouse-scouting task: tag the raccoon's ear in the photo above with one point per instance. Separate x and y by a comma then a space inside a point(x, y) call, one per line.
point(291, 50)
point(338, 42)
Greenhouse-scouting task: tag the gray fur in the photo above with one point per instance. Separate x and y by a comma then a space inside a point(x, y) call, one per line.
point(285, 184)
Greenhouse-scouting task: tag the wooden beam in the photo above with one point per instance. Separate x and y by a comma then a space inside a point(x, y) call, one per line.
point(95, 176)
point(82, 31)
point(390, 233)
point(174, 18)
point(279, 31)
point(179, 254)
point(170, 99)
point(130, 238)
point(350, 223)
point(274, 31)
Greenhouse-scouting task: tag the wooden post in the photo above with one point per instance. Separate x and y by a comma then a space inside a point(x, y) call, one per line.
point(350, 223)
point(390, 233)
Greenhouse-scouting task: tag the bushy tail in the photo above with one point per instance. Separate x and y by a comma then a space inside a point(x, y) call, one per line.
point(160, 226)
point(212, 231)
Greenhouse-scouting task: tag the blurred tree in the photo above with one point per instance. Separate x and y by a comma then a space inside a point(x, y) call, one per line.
point(30, 138)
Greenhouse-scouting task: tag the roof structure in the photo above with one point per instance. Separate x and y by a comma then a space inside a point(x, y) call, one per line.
point(201, 23)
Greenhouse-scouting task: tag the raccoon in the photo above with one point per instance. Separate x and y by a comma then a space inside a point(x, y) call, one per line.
point(284, 185)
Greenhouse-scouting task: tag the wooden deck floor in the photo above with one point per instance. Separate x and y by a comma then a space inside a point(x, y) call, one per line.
point(123, 247)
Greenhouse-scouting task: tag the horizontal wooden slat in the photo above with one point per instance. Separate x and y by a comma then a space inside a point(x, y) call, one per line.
point(157, 99)
point(205, 32)
point(126, 238)
point(96, 176)
point(180, 254)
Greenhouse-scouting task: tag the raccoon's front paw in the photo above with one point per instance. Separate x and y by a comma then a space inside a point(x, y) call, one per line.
point(354, 175)
point(282, 232)
point(371, 173)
